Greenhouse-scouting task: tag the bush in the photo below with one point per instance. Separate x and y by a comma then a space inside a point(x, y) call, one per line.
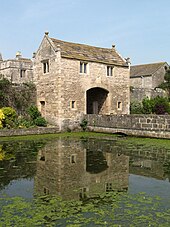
point(83, 124)
point(9, 117)
point(40, 121)
point(33, 112)
point(1, 118)
point(161, 105)
point(148, 105)
point(23, 122)
point(136, 107)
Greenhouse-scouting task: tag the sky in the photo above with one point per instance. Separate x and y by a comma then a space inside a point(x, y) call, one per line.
point(140, 29)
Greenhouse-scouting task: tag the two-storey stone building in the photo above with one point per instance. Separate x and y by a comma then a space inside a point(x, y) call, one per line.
point(75, 79)
point(18, 70)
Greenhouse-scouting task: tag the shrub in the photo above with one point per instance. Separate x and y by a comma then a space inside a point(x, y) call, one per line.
point(33, 112)
point(1, 118)
point(161, 105)
point(136, 107)
point(23, 122)
point(9, 116)
point(148, 105)
point(83, 124)
point(40, 121)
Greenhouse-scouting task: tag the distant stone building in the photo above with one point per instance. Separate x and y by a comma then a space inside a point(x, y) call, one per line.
point(18, 70)
point(75, 79)
point(144, 80)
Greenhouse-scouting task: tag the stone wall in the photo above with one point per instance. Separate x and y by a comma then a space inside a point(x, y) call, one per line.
point(17, 71)
point(62, 91)
point(138, 94)
point(139, 125)
point(29, 131)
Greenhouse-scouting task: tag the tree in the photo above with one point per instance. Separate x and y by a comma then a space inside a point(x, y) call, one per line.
point(166, 84)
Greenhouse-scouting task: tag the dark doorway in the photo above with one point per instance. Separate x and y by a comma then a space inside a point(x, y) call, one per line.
point(96, 101)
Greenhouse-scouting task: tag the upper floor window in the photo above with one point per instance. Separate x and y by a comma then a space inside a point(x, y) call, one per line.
point(83, 67)
point(110, 71)
point(46, 66)
point(22, 73)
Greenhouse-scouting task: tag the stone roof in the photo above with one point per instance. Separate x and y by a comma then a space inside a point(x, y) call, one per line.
point(145, 70)
point(89, 53)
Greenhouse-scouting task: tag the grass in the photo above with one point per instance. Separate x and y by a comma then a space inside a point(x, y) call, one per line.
point(60, 135)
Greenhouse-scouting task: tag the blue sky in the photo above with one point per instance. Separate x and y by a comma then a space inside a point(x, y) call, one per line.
point(139, 29)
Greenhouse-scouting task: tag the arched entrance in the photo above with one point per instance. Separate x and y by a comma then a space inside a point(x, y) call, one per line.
point(96, 101)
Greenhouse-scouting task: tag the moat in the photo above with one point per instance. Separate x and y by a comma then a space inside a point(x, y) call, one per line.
point(82, 169)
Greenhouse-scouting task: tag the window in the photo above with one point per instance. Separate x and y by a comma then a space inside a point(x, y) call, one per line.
point(109, 71)
point(22, 73)
point(46, 66)
point(73, 159)
point(83, 193)
point(119, 105)
point(42, 106)
point(83, 67)
point(109, 187)
point(73, 104)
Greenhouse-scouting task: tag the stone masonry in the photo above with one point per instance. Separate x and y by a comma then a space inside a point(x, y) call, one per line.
point(77, 79)
point(18, 70)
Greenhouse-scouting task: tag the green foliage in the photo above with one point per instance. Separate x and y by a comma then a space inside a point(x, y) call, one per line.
point(36, 117)
point(158, 105)
point(111, 209)
point(18, 97)
point(2, 117)
point(40, 121)
point(24, 122)
point(33, 112)
point(147, 106)
point(161, 105)
point(166, 84)
point(9, 117)
point(83, 124)
point(136, 107)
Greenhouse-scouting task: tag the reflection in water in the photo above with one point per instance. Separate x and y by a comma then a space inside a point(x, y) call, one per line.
point(77, 169)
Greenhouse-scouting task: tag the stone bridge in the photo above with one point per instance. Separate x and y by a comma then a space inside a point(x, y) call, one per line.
point(157, 126)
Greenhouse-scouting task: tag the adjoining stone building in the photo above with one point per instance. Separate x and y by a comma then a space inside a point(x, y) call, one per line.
point(18, 70)
point(76, 79)
point(144, 80)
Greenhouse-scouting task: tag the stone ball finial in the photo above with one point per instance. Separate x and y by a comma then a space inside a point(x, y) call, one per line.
point(46, 33)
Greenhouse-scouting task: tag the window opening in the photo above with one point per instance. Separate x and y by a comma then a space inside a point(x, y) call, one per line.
point(119, 105)
point(109, 71)
point(46, 66)
point(73, 104)
point(109, 187)
point(73, 159)
point(22, 73)
point(83, 67)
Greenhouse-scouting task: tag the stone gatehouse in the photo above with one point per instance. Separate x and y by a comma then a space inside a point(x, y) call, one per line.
point(76, 79)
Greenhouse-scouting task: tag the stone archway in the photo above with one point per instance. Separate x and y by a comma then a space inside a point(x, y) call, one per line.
point(96, 101)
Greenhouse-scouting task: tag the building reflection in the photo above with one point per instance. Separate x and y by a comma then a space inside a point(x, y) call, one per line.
point(75, 169)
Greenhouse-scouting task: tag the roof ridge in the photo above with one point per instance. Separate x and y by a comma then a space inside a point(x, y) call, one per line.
point(82, 44)
point(154, 63)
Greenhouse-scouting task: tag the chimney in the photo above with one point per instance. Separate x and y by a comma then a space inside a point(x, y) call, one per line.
point(18, 55)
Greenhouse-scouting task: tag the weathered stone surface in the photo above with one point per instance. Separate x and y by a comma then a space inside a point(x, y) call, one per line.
point(67, 94)
point(18, 70)
point(135, 125)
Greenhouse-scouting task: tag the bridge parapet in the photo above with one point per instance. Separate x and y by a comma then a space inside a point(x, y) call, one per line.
point(138, 125)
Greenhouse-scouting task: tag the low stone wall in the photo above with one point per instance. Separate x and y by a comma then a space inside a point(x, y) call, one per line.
point(30, 131)
point(137, 125)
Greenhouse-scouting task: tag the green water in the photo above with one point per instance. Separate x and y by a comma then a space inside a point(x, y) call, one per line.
point(82, 181)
